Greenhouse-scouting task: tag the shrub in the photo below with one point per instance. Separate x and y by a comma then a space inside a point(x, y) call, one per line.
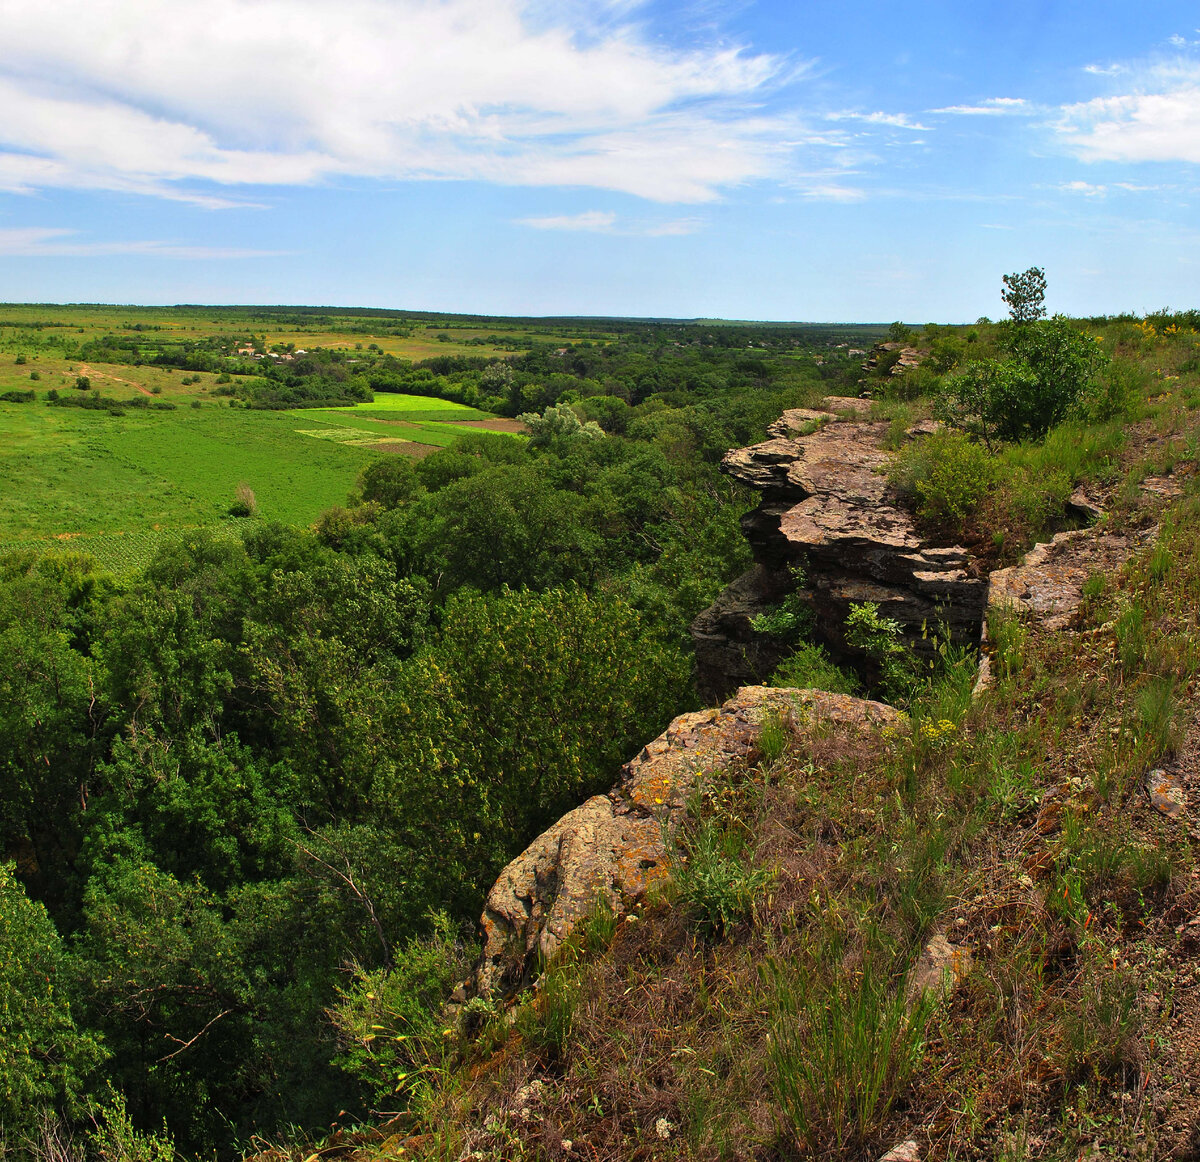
point(1051, 368)
point(388, 1022)
point(83, 383)
point(1115, 393)
point(947, 475)
point(715, 879)
point(879, 638)
point(787, 620)
point(246, 502)
point(809, 667)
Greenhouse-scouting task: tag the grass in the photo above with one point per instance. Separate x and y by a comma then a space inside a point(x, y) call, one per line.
point(114, 486)
point(68, 473)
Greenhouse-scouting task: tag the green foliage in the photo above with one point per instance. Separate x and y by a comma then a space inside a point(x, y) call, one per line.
point(879, 638)
point(390, 1035)
point(947, 476)
point(844, 1045)
point(45, 1058)
point(114, 1138)
point(715, 877)
point(790, 618)
point(809, 666)
point(1051, 369)
point(389, 482)
point(557, 425)
point(1025, 295)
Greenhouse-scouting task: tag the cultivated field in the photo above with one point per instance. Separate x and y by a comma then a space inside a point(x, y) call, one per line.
point(115, 485)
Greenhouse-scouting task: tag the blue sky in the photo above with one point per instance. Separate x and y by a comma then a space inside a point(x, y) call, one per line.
point(758, 159)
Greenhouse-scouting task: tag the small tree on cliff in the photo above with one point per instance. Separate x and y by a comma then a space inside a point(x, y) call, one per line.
point(1050, 367)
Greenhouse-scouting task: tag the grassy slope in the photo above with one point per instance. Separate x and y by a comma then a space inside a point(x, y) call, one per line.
point(68, 471)
point(1070, 1035)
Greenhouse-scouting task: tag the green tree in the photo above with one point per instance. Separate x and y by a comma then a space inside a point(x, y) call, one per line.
point(1025, 295)
point(45, 1058)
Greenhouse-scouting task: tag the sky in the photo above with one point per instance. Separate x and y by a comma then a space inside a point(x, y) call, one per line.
point(819, 160)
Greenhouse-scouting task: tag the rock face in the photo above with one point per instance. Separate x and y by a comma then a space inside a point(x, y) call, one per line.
point(615, 846)
point(1048, 584)
point(881, 353)
point(828, 510)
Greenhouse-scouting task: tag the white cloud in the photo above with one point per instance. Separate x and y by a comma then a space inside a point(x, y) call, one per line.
point(1085, 188)
point(605, 222)
point(149, 96)
point(56, 242)
point(832, 192)
point(1158, 120)
point(992, 107)
point(598, 221)
point(895, 120)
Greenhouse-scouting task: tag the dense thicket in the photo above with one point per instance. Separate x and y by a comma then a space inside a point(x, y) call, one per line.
point(237, 782)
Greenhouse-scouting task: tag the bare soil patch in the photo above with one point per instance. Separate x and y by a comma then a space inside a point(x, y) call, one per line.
point(401, 448)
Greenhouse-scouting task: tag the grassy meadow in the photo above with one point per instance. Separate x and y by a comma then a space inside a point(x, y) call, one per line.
point(115, 486)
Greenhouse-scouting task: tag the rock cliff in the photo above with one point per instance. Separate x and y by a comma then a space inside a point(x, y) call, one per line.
point(615, 846)
point(827, 509)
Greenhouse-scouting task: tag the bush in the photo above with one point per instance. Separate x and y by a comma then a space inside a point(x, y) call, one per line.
point(947, 476)
point(879, 638)
point(1052, 367)
point(388, 1022)
point(715, 879)
point(811, 668)
point(83, 383)
point(1115, 393)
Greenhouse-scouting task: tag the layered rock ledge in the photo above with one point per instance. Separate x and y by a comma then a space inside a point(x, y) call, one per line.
point(827, 509)
point(615, 846)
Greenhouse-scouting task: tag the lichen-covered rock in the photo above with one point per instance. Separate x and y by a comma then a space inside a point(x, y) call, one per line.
point(1167, 794)
point(828, 509)
point(615, 846)
point(941, 966)
point(1048, 584)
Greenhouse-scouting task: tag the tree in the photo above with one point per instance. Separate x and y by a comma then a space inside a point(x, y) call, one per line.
point(44, 1057)
point(558, 424)
point(1025, 295)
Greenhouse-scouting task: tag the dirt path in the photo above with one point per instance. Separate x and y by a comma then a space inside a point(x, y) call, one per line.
point(85, 369)
point(501, 425)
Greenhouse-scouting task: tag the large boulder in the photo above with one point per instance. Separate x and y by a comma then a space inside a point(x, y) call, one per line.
point(615, 846)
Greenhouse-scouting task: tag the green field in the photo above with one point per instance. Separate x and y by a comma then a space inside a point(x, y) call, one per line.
point(411, 337)
point(115, 485)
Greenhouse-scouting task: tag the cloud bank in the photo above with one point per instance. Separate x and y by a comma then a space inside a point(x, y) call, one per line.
point(161, 96)
point(1156, 119)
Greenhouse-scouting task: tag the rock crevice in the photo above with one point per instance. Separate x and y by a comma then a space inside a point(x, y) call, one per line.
point(827, 509)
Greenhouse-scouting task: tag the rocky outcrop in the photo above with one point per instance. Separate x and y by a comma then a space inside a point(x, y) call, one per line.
point(883, 358)
point(615, 846)
point(1048, 584)
point(827, 509)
